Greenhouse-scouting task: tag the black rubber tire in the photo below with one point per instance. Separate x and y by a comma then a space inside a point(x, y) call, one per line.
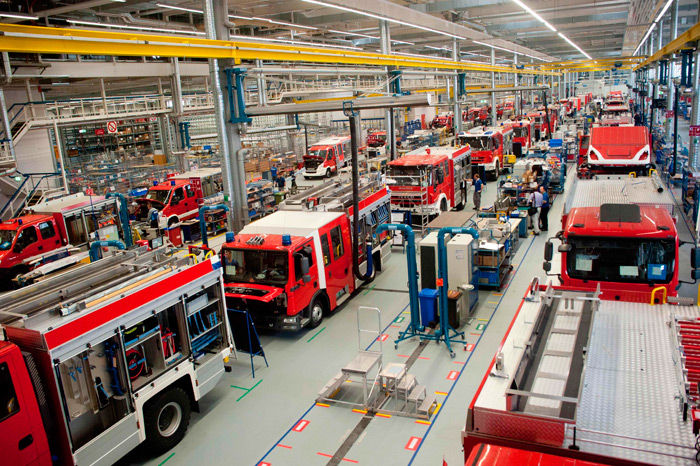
point(443, 205)
point(317, 309)
point(172, 221)
point(160, 437)
point(329, 173)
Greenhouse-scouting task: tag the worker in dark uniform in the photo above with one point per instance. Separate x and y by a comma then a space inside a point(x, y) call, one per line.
point(478, 186)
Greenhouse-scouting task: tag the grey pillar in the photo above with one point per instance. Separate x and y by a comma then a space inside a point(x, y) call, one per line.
point(176, 92)
point(103, 92)
point(389, 121)
point(493, 85)
point(670, 95)
point(227, 134)
point(695, 114)
point(262, 95)
point(660, 40)
point(516, 104)
point(457, 119)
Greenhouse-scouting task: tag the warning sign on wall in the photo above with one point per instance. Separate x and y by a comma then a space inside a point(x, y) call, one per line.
point(111, 127)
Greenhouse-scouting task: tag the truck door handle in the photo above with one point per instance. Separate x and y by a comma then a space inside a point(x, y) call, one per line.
point(41, 248)
point(25, 442)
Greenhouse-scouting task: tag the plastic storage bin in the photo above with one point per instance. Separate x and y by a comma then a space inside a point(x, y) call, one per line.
point(428, 306)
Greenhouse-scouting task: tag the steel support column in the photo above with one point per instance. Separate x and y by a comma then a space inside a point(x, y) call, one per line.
point(229, 139)
point(493, 85)
point(516, 104)
point(670, 95)
point(390, 126)
point(457, 118)
point(695, 113)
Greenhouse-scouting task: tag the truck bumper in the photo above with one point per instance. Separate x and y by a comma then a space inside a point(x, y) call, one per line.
point(281, 322)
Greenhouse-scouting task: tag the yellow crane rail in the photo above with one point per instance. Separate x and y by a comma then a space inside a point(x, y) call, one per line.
point(34, 39)
point(679, 43)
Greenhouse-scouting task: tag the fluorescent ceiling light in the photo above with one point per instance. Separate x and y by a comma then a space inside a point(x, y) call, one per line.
point(17, 15)
point(272, 21)
point(573, 45)
point(173, 7)
point(511, 51)
point(535, 14)
point(653, 25)
point(298, 42)
point(138, 28)
point(368, 36)
point(391, 20)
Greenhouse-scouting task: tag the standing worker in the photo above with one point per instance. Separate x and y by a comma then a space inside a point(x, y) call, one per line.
point(273, 172)
point(544, 221)
point(478, 185)
point(536, 200)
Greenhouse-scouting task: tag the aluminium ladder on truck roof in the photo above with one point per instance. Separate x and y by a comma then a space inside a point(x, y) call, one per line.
point(69, 292)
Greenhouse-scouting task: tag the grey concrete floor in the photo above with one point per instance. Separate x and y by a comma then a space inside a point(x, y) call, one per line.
point(251, 421)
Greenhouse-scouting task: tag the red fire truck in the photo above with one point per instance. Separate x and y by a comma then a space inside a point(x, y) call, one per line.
point(488, 145)
point(428, 181)
point(292, 267)
point(327, 156)
point(621, 149)
point(176, 200)
point(485, 454)
point(485, 115)
point(590, 380)
point(540, 120)
point(472, 115)
point(376, 139)
point(443, 120)
point(616, 115)
point(523, 129)
point(56, 228)
point(108, 356)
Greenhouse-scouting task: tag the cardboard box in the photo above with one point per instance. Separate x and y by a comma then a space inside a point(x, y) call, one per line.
point(160, 159)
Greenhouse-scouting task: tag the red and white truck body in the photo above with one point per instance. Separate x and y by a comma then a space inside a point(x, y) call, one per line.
point(206, 182)
point(620, 149)
point(327, 156)
point(616, 115)
point(428, 181)
point(589, 381)
point(540, 118)
point(291, 267)
point(376, 139)
point(55, 229)
point(523, 129)
point(108, 356)
point(488, 144)
point(443, 120)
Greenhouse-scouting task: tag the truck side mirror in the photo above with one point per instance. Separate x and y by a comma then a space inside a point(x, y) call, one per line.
point(305, 269)
point(694, 258)
point(547, 266)
point(564, 248)
point(548, 251)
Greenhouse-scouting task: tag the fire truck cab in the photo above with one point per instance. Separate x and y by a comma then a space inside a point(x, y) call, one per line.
point(616, 115)
point(621, 149)
point(522, 135)
point(488, 146)
point(376, 139)
point(429, 180)
point(294, 266)
point(327, 156)
point(443, 120)
point(175, 199)
point(540, 119)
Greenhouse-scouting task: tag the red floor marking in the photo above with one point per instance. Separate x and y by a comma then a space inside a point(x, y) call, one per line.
point(301, 425)
point(413, 443)
point(452, 375)
point(324, 454)
point(394, 326)
point(470, 346)
point(350, 461)
point(383, 337)
point(477, 334)
point(264, 464)
point(424, 358)
point(403, 356)
point(458, 362)
point(284, 446)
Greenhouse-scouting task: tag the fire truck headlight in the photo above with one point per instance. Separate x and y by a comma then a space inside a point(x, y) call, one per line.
point(289, 320)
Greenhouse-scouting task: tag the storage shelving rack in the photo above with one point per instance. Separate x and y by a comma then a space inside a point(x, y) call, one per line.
point(495, 264)
point(261, 198)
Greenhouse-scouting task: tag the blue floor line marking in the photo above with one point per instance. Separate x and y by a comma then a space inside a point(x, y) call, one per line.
point(464, 366)
point(314, 403)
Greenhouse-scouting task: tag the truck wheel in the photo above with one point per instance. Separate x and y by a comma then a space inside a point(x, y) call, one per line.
point(167, 419)
point(316, 310)
point(328, 173)
point(443, 205)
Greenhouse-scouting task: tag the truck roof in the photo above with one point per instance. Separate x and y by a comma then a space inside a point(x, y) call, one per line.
point(410, 160)
point(441, 150)
point(330, 141)
point(633, 137)
point(200, 173)
point(66, 203)
point(624, 190)
point(169, 184)
point(272, 241)
point(654, 223)
point(30, 219)
point(485, 131)
point(291, 222)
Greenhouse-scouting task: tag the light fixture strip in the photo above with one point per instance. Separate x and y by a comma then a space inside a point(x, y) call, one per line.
point(653, 25)
point(17, 16)
point(137, 28)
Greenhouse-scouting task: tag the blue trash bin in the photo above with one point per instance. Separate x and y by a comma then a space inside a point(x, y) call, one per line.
point(428, 306)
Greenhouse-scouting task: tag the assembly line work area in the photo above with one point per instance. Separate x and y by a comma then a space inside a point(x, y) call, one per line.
point(330, 232)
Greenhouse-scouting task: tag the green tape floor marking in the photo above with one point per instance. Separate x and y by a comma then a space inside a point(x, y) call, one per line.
point(247, 391)
point(316, 334)
point(481, 326)
point(398, 320)
point(166, 459)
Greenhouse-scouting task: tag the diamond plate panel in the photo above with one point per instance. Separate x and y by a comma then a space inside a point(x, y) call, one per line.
point(640, 191)
point(547, 387)
point(564, 322)
point(555, 364)
point(561, 342)
point(630, 386)
point(520, 427)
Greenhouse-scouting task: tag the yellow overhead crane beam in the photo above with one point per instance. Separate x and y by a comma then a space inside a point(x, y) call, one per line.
point(679, 43)
point(599, 62)
point(34, 39)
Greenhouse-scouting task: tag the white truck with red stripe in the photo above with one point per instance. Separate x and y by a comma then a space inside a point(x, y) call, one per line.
point(113, 354)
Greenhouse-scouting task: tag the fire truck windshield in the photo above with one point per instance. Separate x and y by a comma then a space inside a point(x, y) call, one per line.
point(405, 176)
point(621, 259)
point(160, 195)
point(255, 266)
point(6, 239)
point(318, 153)
point(520, 132)
point(479, 143)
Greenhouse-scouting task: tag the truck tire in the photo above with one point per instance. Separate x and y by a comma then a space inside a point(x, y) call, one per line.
point(166, 420)
point(328, 173)
point(317, 309)
point(496, 172)
point(443, 205)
